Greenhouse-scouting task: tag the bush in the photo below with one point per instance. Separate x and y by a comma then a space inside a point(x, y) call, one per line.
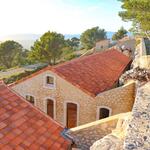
point(2, 68)
point(19, 76)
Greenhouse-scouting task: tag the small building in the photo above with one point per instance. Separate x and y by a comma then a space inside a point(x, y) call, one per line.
point(102, 45)
point(73, 93)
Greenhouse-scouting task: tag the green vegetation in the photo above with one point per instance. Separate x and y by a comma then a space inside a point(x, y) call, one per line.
point(48, 48)
point(68, 53)
point(18, 76)
point(119, 34)
point(2, 68)
point(73, 43)
point(11, 54)
point(137, 11)
point(51, 49)
point(91, 36)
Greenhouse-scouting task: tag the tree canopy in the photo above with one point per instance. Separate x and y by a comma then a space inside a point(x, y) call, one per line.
point(48, 48)
point(137, 11)
point(10, 54)
point(119, 34)
point(91, 36)
point(68, 53)
point(73, 42)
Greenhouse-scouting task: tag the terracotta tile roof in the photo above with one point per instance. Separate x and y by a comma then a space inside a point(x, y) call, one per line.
point(24, 127)
point(92, 74)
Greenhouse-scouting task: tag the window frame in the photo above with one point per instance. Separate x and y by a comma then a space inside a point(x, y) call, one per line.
point(35, 102)
point(98, 111)
point(49, 86)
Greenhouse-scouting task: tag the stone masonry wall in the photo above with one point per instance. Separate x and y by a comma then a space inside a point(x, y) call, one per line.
point(115, 140)
point(138, 131)
point(119, 100)
point(84, 136)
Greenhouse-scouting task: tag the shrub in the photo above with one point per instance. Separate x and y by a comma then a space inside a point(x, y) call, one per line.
point(19, 76)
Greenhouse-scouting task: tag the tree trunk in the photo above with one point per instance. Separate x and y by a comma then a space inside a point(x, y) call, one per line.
point(147, 34)
point(54, 60)
point(49, 62)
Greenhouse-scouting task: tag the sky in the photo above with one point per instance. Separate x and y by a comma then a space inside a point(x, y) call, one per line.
point(63, 16)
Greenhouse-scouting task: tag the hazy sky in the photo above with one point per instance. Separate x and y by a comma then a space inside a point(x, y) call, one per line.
point(64, 16)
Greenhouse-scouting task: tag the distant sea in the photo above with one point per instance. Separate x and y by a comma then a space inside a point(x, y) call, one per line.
point(27, 40)
point(68, 36)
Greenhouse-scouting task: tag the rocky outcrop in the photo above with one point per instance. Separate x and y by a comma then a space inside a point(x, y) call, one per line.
point(137, 74)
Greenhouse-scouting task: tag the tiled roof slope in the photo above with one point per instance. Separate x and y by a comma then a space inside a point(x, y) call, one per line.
point(94, 73)
point(24, 127)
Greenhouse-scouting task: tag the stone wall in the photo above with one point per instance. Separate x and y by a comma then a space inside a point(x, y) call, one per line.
point(109, 142)
point(84, 136)
point(138, 132)
point(144, 62)
point(141, 59)
point(115, 140)
point(102, 45)
point(119, 99)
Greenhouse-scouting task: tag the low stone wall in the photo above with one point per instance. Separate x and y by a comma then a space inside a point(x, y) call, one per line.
point(84, 136)
point(138, 132)
point(115, 140)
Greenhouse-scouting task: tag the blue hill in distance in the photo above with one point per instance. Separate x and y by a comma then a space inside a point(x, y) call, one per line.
point(69, 36)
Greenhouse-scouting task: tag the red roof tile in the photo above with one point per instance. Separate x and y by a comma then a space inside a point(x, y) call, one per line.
point(92, 74)
point(22, 126)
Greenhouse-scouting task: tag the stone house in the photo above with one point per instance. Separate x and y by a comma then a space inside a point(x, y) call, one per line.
point(73, 94)
point(102, 45)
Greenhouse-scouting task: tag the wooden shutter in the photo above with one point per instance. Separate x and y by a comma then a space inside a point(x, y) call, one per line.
point(50, 108)
point(71, 115)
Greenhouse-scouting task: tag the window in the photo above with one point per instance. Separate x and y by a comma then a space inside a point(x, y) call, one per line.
point(30, 99)
point(103, 112)
point(49, 81)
